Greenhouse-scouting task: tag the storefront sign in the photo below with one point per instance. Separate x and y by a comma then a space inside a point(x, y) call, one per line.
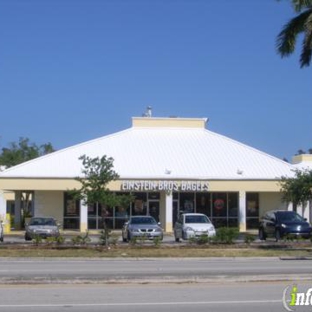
point(165, 185)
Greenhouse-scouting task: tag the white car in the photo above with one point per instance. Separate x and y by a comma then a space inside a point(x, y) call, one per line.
point(1, 231)
point(193, 225)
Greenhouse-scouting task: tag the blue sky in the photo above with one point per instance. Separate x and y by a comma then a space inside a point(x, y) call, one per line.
point(75, 70)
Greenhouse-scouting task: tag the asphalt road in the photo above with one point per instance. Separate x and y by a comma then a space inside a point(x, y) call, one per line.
point(51, 270)
point(217, 297)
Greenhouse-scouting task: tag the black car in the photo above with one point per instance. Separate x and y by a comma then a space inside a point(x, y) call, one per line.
point(283, 223)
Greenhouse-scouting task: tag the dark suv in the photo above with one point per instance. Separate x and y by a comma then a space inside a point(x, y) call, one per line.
point(281, 223)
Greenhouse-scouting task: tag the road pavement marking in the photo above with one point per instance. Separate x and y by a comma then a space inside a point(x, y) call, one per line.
point(237, 302)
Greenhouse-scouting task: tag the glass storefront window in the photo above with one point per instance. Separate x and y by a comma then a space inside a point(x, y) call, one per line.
point(153, 209)
point(233, 204)
point(203, 203)
point(252, 210)
point(154, 196)
point(219, 222)
point(139, 204)
point(219, 205)
point(175, 195)
point(71, 212)
point(187, 202)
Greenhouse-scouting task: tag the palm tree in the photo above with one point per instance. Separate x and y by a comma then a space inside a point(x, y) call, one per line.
point(301, 24)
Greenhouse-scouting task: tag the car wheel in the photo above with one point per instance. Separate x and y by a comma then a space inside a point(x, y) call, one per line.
point(1, 239)
point(183, 235)
point(27, 238)
point(124, 239)
point(262, 235)
point(177, 239)
point(277, 235)
point(129, 237)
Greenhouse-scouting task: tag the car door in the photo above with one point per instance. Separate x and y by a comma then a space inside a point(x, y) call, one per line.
point(178, 227)
point(270, 224)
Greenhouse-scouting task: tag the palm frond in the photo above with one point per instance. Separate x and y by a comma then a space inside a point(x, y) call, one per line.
point(306, 51)
point(300, 5)
point(286, 39)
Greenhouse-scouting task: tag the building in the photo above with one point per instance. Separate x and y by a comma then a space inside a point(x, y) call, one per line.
point(169, 164)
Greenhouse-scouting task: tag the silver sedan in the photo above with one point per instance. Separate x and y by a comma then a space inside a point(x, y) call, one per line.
point(41, 226)
point(141, 226)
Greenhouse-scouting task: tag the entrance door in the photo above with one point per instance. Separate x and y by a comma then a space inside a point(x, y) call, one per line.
point(153, 209)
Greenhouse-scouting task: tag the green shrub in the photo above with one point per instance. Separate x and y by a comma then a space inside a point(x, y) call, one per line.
point(203, 239)
point(60, 240)
point(37, 239)
point(249, 238)
point(142, 239)
point(157, 241)
point(81, 239)
point(134, 240)
point(200, 240)
point(226, 235)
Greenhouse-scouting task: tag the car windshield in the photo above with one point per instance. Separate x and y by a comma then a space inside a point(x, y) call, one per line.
point(42, 221)
point(196, 219)
point(143, 220)
point(289, 216)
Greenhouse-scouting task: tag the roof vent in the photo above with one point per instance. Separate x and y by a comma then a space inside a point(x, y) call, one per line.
point(239, 171)
point(148, 112)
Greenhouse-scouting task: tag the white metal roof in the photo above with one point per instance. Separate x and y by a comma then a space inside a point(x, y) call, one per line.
point(161, 152)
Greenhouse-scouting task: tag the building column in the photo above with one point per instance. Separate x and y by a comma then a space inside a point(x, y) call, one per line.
point(2, 207)
point(168, 224)
point(83, 216)
point(5, 217)
point(242, 211)
point(166, 211)
point(18, 210)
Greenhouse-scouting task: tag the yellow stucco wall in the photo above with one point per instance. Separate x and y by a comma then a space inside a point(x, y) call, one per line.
point(68, 184)
point(49, 203)
point(169, 122)
point(270, 201)
point(9, 195)
point(38, 184)
point(301, 158)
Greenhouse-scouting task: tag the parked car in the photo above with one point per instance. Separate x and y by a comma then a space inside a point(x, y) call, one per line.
point(193, 225)
point(1, 231)
point(42, 226)
point(141, 226)
point(281, 223)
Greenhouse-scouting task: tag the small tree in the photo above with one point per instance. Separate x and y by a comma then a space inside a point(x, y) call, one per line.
point(298, 189)
point(22, 151)
point(97, 174)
